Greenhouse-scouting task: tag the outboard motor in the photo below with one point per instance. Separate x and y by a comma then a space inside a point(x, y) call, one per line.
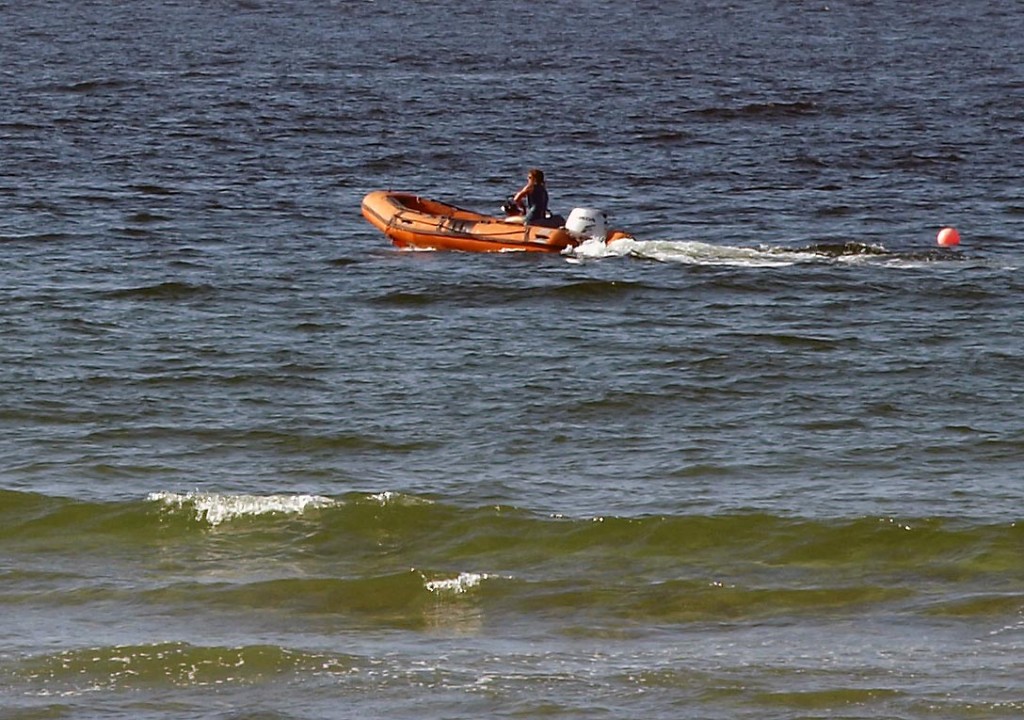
point(585, 223)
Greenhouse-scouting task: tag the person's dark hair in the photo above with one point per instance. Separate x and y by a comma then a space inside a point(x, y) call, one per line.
point(536, 175)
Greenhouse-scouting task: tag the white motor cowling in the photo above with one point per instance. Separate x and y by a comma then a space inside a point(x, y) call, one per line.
point(587, 223)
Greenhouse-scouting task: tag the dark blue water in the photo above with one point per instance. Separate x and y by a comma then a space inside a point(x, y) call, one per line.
point(760, 461)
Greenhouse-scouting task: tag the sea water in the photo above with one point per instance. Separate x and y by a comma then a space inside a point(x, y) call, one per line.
point(762, 460)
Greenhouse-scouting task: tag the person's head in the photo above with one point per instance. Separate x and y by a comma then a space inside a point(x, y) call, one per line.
point(535, 176)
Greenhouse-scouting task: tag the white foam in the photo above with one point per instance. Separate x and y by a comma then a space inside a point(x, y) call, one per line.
point(389, 497)
point(385, 497)
point(461, 584)
point(215, 508)
point(595, 248)
point(690, 252)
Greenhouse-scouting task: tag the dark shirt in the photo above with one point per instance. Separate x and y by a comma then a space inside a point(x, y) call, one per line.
point(536, 202)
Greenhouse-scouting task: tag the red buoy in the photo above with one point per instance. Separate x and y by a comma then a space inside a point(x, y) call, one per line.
point(948, 237)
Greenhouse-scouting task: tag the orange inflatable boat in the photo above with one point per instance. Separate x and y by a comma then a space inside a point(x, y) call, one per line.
point(410, 221)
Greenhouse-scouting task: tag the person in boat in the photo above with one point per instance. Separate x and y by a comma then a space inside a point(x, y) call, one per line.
point(532, 200)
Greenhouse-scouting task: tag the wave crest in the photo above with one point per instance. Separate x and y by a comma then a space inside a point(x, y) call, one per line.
point(214, 508)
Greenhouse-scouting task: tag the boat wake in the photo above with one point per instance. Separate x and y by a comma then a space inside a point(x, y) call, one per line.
point(699, 253)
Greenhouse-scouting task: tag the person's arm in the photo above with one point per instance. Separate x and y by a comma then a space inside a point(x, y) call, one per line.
point(521, 195)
